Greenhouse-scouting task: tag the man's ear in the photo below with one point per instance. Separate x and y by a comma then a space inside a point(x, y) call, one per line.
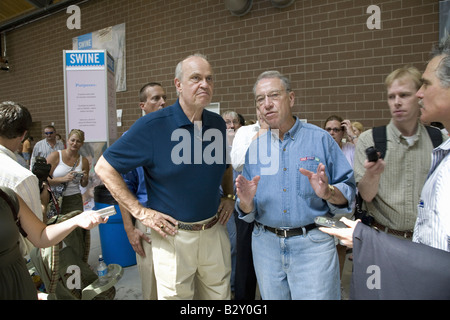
point(291, 98)
point(177, 85)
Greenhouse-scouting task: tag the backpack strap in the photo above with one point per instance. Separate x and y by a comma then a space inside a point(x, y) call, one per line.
point(380, 140)
point(13, 211)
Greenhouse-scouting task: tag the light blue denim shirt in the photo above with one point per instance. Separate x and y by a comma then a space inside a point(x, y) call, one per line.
point(284, 197)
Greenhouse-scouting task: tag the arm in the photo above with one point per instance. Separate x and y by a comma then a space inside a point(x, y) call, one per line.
point(344, 234)
point(134, 234)
point(368, 185)
point(119, 190)
point(367, 174)
point(85, 167)
point(319, 182)
point(226, 207)
point(246, 191)
point(43, 236)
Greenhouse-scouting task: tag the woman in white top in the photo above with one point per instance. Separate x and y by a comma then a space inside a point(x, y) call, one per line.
point(69, 171)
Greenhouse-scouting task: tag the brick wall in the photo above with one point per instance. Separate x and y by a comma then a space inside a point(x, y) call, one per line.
point(336, 63)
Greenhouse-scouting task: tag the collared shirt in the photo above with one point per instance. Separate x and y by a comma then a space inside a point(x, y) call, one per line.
point(135, 181)
point(43, 149)
point(24, 183)
point(241, 142)
point(284, 197)
point(407, 166)
point(433, 220)
point(183, 166)
point(21, 180)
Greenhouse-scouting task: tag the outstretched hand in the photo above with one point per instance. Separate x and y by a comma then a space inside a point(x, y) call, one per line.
point(246, 191)
point(318, 180)
point(344, 234)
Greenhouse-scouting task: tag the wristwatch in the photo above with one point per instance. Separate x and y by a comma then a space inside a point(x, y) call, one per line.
point(331, 188)
point(230, 196)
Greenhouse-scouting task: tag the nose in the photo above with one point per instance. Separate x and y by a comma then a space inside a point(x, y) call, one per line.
point(419, 93)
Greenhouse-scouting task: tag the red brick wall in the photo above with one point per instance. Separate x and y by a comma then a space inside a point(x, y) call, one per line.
point(337, 65)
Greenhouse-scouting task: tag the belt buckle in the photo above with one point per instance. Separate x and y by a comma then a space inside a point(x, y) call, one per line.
point(283, 233)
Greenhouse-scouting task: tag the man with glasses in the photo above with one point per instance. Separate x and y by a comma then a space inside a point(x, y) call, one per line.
point(292, 258)
point(47, 145)
point(390, 187)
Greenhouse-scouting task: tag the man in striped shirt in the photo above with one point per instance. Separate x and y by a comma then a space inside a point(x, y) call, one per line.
point(433, 220)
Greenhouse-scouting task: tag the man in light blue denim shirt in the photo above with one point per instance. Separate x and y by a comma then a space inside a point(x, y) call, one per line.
point(293, 173)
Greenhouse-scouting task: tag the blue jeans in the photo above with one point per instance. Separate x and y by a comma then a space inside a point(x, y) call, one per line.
point(231, 228)
point(299, 267)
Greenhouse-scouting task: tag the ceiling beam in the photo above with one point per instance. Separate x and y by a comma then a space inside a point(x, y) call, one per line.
point(38, 14)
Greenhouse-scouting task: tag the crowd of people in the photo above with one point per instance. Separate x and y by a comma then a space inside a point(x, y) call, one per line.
point(218, 218)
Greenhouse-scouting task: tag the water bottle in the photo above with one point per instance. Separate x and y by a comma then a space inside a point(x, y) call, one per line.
point(102, 270)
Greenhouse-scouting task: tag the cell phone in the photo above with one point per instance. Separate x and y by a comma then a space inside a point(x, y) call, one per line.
point(106, 212)
point(372, 154)
point(78, 174)
point(324, 221)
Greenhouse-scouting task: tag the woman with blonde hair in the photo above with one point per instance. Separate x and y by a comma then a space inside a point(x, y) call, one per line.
point(357, 128)
point(69, 171)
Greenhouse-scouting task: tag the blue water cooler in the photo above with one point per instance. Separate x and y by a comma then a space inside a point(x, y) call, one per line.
point(116, 247)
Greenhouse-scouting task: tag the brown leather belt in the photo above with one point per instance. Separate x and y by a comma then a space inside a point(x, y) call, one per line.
point(198, 226)
point(403, 234)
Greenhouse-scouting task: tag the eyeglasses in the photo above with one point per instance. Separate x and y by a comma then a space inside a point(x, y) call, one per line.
point(49, 132)
point(273, 96)
point(335, 130)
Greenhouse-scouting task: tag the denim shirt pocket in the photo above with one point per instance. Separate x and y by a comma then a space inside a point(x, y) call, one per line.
point(304, 188)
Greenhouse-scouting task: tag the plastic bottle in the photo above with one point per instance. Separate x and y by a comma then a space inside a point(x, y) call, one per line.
point(102, 270)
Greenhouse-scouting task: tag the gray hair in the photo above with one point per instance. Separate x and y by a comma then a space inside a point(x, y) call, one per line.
point(179, 67)
point(443, 69)
point(273, 74)
point(231, 113)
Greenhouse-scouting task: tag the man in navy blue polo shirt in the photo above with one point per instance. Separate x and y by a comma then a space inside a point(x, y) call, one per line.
point(182, 149)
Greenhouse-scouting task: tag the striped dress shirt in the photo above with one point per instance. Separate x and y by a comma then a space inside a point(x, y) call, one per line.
point(433, 220)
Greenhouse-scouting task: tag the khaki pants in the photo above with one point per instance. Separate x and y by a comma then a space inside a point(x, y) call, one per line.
point(193, 264)
point(145, 266)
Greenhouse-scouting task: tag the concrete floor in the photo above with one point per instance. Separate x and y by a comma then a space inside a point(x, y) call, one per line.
point(129, 286)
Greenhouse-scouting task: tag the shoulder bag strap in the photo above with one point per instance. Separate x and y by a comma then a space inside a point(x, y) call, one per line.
point(14, 212)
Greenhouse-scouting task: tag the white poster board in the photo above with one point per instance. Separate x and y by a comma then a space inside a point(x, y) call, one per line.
point(90, 95)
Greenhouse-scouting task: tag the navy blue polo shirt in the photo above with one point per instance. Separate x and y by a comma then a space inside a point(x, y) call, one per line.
point(183, 166)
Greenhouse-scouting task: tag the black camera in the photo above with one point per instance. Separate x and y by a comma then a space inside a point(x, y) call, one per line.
point(372, 154)
point(41, 169)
